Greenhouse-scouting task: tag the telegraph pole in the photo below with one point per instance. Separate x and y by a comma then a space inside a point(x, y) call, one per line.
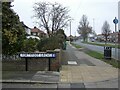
point(70, 31)
point(93, 24)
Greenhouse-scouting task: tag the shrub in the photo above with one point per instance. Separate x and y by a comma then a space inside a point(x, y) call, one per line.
point(30, 45)
point(55, 41)
point(49, 44)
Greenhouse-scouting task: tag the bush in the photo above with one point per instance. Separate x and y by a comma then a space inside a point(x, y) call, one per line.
point(57, 40)
point(30, 45)
point(49, 44)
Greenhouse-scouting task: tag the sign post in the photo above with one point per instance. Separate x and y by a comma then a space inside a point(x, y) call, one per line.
point(26, 62)
point(115, 21)
point(37, 55)
point(49, 64)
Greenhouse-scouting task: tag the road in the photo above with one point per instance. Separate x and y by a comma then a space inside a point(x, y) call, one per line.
point(100, 49)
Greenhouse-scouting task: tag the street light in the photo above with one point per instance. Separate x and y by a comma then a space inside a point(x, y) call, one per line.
point(70, 29)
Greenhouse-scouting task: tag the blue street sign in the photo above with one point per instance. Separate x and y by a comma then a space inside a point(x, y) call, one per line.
point(115, 21)
point(37, 55)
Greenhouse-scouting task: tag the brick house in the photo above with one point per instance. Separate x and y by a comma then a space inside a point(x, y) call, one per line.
point(115, 36)
point(100, 37)
point(37, 32)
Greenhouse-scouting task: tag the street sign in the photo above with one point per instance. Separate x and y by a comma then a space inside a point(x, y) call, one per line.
point(115, 21)
point(37, 55)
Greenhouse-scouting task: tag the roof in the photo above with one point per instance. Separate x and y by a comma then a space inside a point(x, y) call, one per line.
point(114, 33)
point(35, 29)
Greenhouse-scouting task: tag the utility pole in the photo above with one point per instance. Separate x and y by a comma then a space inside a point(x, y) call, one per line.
point(93, 24)
point(70, 31)
point(75, 35)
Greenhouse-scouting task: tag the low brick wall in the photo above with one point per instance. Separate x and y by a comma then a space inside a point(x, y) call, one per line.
point(34, 64)
point(56, 62)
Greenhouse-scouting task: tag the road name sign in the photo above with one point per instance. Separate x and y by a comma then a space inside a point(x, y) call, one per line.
point(37, 55)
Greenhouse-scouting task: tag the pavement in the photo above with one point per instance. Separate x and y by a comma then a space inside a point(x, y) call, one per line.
point(79, 70)
point(43, 77)
point(91, 72)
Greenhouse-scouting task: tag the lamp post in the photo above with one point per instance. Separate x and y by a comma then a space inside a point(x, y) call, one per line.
point(70, 31)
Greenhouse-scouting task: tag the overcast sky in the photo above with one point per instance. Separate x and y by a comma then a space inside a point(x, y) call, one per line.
point(97, 12)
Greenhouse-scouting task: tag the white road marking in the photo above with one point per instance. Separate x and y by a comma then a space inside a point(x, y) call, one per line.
point(72, 62)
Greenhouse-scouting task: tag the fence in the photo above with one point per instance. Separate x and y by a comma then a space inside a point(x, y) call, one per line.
point(10, 57)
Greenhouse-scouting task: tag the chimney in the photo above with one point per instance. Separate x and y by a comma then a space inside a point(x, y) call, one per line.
point(34, 26)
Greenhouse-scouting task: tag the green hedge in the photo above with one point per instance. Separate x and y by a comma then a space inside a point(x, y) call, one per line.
point(51, 43)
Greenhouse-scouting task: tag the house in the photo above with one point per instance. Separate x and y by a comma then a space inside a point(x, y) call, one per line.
point(33, 32)
point(115, 36)
point(100, 37)
point(37, 32)
point(119, 37)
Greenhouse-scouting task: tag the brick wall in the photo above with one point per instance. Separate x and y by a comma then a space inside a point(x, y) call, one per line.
point(34, 64)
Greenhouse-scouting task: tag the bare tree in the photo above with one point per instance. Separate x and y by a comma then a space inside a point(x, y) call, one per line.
point(84, 29)
point(106, 30)
point(51, 16)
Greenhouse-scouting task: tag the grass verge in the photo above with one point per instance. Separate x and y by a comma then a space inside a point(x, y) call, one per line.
point(75, 45)
point(113, 62)
point(97, 55)
point(98, 44)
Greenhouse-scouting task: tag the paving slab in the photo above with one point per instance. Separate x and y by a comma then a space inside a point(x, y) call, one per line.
point(46, 76)
point(89, 70)
point(77, 85)
point(20, 86)
point(39, 77)
point(64, 85)
point(87, 73)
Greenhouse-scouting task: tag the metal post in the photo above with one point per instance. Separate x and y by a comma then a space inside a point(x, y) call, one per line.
point(49, 62)
point(115, 41)
point(75, 35)
point(26, 62)
point(70, 31)
point(93, 24)
point(115, 21)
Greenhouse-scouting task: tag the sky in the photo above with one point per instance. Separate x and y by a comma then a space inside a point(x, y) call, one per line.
point(97, 12)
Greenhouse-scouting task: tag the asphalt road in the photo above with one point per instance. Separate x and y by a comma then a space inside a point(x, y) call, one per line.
point(115, 54)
